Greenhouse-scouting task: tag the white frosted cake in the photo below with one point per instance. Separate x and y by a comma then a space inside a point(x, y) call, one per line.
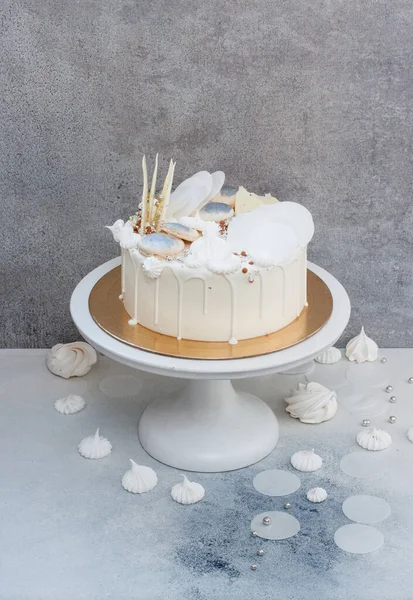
point(211, 262)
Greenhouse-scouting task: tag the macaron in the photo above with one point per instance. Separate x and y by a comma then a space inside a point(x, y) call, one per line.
point(181, 232)
point(160, 244)
point(216, 211)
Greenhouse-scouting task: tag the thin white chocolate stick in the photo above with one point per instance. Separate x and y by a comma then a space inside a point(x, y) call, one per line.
point(166, 192)
point(151, 201)
point(144, 196)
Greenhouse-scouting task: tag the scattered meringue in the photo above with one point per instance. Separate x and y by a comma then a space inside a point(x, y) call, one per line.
point(306, 461)
point(329, 356)
point(410, 434)
point(69, 405)
point(153, 267)
point(71, 360)
point(139, 479)
point(373, 439)
point(95, 446)
point(362, 348)
point(317, 494)
point(312, 403)
point(187, 492)
point(124, 234)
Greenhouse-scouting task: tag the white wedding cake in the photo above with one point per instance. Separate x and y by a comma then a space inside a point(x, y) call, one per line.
point(210, 262)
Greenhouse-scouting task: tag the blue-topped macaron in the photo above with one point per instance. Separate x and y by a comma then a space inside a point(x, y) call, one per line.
point(181, 232)
point(160, 244)
point(227, 195)
point(216, 211)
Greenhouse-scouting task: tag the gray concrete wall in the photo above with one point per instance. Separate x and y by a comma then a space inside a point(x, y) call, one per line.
point(309, 100)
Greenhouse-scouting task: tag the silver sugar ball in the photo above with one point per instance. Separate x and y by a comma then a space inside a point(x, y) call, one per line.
point(253, 567)
point(389, 388)
point(392, 419)
point(383, 360)
point(393, 399)
point(287, 505)
point(254, 534)
point(266, 520)
point(260, 552)
point(366, 422)
point(410, 380)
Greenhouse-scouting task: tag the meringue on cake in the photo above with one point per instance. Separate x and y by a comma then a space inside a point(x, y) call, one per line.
point(194, 267)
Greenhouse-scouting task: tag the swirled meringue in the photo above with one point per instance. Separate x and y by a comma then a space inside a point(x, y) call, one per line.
point(153, 267)
point(329, 356)
point(312, 403)
point(95, 446)
point(71, 360)
point(210, 249)
point(194, 222)
point(69, 405)
point(373, 439)
point(124, 234)
point(362, 348)
point(187, 492)
point(139, 479)
point(410, 434)
point(306, 461)
point(317, 494)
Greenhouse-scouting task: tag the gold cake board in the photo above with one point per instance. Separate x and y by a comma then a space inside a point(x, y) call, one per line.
point(109, 313)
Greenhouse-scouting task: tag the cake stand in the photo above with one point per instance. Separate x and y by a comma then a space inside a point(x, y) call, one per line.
point(209, 426)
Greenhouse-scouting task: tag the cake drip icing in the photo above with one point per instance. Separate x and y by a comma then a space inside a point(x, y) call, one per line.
point(362, 348)
point(312, 403)
point(71, 360)
point(374, 439)
point(139, 479)
point(187, 492)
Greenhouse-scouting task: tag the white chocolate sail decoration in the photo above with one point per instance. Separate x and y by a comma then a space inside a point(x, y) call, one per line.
point(247, 201)
point(317, 494)
point(312, 403)
point(146, 215)
point(187, 492)
point(70, 405)
point(165, 196)
point(329, 356)
point(95, 446)
point(306, 461)
point(139, 479)
point(71, 360)
point(152, 191)
point(193, 193)
point(374, 439)
point(218, 179)
point(361, 348)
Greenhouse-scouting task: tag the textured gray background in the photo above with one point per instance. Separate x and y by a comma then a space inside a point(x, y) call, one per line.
point(309, 100)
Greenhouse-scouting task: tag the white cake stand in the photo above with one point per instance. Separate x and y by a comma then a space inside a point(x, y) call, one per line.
point(208, 427)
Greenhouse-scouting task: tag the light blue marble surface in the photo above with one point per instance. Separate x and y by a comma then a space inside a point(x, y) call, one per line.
point(70, 532)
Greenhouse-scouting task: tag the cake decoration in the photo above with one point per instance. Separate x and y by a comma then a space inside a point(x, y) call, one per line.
point(312, 403)
point(187, 492)
point(69, 405)
point(139, 479)
point(306, 460)
point(213, 254)
point(153, 267)
point(160, 244)
point(95, 447)
point(329, 356)
point(71, 360)
point(374, 439)
point(317, 494)
point(362, 348)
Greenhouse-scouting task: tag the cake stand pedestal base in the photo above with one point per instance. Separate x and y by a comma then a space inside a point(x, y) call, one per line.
point(209, 427)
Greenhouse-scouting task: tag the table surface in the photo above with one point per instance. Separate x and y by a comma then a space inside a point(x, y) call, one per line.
point(70, 532)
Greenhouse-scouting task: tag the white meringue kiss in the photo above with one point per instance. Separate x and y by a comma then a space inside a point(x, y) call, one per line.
point(312, 403)
point(362, 348)
point(71, 360)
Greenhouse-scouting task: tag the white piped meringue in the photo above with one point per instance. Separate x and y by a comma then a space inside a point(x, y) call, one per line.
point(124, 234)
point(71, 360)
point(187, 492)
point(210, 249)
point(317, 494)
point(306, 461)
point(95, 446)
point(410, 434)
point(69, 405)
point(139, 479)
point(194, 222)
point(373, 439)
point(362, 348)
point(329, 356)
point(153, 267)
point(312, 403)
